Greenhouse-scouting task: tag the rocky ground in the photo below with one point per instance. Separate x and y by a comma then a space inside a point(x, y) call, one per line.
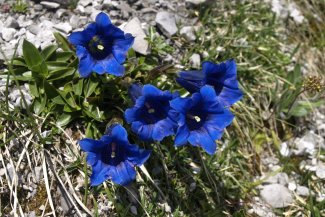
point(278, 188)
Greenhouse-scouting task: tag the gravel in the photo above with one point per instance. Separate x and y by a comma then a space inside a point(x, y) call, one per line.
point(276, 195)
point(166, 22)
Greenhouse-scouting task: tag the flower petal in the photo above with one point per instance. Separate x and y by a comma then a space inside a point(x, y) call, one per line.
point(91, 145)
point(145, 131)
point(208, 93)
point(220, 120)
point(162, 129)
point(82, 38)
point(120, 47)
point(123, 173)
point(181, 135)
point(136, 155)
point(86, 62)
point(150, 90)
point(100, 173)
point(202, 138)
point(112, 67)
point(230, 93)
point(180, 104)
point(113, 32)
point(102, 21)
point(130, 115)
point(189, 85)
point(135, 91)
point(119, 132)
point(91, 158)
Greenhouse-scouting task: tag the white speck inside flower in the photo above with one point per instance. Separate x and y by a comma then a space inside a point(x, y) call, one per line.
point(197, 118)
point(151, 111)
point(113, 154)
point(100, 47)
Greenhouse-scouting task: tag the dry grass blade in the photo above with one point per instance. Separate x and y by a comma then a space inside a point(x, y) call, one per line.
point(46, 180)
point(50, 163)
point(12, 191)
point(72, 188)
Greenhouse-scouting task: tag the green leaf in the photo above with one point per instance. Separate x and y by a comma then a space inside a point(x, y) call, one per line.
point(62, 42)
point(58, 100)
point(77, 88)
point(303, 108)
point(49, 51)
point(34, 89)
point(60, 73)
point(55, 65)
point(39, 104)
point(50, 90)
point(64, 56)
point(31, 55)
point(40, 70)
point(69, 99)
point(90, 85)
point(94, 113)
point(64, 119)
point(19, 62)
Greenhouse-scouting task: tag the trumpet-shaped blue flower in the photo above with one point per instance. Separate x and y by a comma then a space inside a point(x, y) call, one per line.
point(151, 115)
point(113, 157)
point(101, 47)
point(221, 76)
point(201, 119)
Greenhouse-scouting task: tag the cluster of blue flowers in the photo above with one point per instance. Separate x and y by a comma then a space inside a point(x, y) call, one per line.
point(198, 120)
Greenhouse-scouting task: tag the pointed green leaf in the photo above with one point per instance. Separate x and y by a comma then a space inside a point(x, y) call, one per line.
point(60, 73)
point(64, 119)
point(77, 88)
point(49, 51)
point(31, 55)
point(90, 85)
point(39, 104)
point(62, 41)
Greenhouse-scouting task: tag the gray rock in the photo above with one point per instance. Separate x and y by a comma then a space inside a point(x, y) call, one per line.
point(8, 51)
point(307, 144)
point(11, 23)
point(63, 27)
point(302, 191)
point(320, 171)
point(280, 178)
point(31, 214)
point(166, 23)
point(276, 195)
point(35, 29)
point(60, 12)
point(38, 7)
point(140, 45)
point(284, 149)
point(134, 210)
point(195, 60)
point(109, 3)
point(84, 2)
point(26, 23)
point(74, 21)
point(8, 33)
point(196, 2)
point(188, 33)
point(38, 173)
point(50, 5)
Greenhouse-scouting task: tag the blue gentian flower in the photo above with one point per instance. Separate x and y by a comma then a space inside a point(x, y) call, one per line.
point(101, 47)
point(223, 77)
point(113, 157)
point(151, 115)
point(201, 119)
